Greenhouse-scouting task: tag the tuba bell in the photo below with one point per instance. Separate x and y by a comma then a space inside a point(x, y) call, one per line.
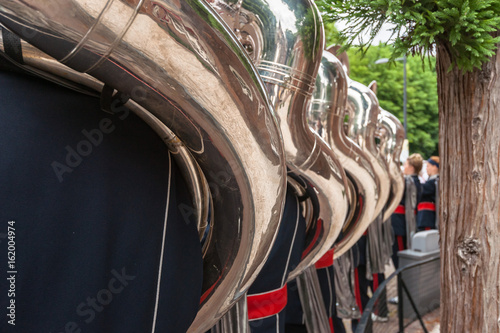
point(363, 113)
point(184, 73)
point(328, 106)
point(393, 132)
point(285, 40)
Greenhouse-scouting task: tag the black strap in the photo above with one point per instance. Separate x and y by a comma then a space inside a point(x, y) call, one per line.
point(11, 59)
point(12, 49)
point(12, 46)
point(110, 100)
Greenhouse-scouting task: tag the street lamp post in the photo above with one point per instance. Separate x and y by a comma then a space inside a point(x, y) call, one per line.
point(404, 95)
point(403, 59)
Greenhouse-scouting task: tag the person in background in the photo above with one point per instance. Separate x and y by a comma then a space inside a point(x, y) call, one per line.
point(426, 210)
point(399, 218)
point(403, 219)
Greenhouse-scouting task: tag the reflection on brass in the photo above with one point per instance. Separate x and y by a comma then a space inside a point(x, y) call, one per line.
point(328, 108)
point(391, 143)
point(343, 270)
point(311, 299)
point(287, 40)
point(363, 111)
point(185, 74)
point(342, 56)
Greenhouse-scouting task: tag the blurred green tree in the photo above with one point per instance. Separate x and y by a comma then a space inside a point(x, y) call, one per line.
point(422, 99)
point(422, 107)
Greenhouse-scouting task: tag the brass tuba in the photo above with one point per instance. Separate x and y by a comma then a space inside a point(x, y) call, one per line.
point(393, 132)
point(362, 126)
point(362, 107)
point(184, 74)
point(285, 40)
point(329, 106)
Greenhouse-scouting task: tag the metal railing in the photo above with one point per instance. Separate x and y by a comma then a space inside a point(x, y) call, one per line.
point(405, 296)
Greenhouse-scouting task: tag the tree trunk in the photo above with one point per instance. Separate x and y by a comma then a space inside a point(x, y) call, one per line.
point(469, 145)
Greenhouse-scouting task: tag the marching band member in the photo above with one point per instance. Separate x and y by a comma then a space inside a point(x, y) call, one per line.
point(403, 218)
point(267, 297)
point(98, 248)
point(426, 210)
point(326, 276)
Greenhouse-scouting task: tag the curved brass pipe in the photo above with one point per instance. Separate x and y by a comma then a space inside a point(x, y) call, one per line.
point(41, 64)
point(182, 68)
point(363, 111)
point(328, 106)
point(285, 40)
point(392, 137)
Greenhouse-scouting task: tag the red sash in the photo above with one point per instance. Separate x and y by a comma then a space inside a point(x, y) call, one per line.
point(400, 209)
point(266, 304)
point(427, 206)
point(325, 261)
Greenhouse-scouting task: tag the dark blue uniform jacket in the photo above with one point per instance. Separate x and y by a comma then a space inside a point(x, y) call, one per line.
point(93, 199)
point(426, 214)
point(398, 219)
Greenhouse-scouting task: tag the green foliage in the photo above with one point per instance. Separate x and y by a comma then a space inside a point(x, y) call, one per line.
point(422, 106)
point(332, 35)
point(465, 25)
point(309, 29)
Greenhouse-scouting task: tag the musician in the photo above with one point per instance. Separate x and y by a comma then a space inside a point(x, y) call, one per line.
point(399, 219)
point(295, 317)
point(268, 295)
point(361, 281)
point(325, 270)
point(96, 210)
point(426, 211)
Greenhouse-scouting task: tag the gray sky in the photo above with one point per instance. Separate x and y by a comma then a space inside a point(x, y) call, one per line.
point(382, 36)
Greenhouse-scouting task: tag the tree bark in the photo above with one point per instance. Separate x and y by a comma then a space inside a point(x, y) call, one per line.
point(469, 145)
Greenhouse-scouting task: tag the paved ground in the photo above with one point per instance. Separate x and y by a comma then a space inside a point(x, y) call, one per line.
point(431, 322)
